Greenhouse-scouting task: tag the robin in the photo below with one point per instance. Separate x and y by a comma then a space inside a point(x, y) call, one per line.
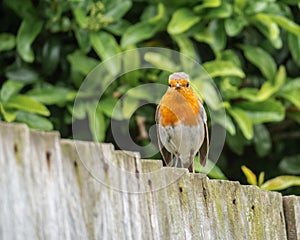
point(182, 124)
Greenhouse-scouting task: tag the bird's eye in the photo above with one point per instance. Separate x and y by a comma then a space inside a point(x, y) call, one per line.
point(188, 84)
point(169, 85)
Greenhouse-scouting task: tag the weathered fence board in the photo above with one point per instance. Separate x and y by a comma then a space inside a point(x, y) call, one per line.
point(47, 191)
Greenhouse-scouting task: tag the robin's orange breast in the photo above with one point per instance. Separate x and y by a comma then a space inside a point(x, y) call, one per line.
point(179, 105)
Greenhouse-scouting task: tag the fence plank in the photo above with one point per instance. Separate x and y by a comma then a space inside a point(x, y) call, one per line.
point(291, 206)
point(62, 189)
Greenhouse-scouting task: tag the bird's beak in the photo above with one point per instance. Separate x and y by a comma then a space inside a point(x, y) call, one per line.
point(178, 85)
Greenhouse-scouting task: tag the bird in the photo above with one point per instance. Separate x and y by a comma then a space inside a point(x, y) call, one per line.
point(181, 121)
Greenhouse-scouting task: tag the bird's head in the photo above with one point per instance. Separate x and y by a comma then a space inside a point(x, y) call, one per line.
point(179, 80)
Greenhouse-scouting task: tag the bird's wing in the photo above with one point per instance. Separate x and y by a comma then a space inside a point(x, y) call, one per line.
point(204, 148)
point(167, 156)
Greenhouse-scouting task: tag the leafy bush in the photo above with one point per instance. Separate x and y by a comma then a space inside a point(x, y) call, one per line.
point(250, 48)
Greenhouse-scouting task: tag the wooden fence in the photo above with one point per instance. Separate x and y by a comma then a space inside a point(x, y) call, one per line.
point(46, 192)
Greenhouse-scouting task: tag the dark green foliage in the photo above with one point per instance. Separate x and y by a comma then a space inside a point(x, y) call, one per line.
point(250, 48)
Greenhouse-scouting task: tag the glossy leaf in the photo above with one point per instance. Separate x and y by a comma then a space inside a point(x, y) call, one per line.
point(9, 89)
point(137, 33)
point(207, 4)
point(261, 112)
point(234, 26)
point(290, 164)
point(243, 121)
point(294, 46)
point(281, 182)
point(291, 91)
point(129, 106)
point(261, 178)
point(22, 73)
point(7, 41)
point(287, 24)
point(81, 62)
point(262, 140)
point(160, 61)
point(261, 59)
point(106, 46)
point(211, 169)
point(270, 87)
point(34, 121)
point(216, 27)
point(51, 56)
point(251, 177)
point(50, 95)
point(116, 9)
point(96, 122)
point(25, 103)
point(223, 68)
point(269, 28)
point(107, 105)
point(222, 11)
point(28, 31)
point(182, 20)
point(8, 114)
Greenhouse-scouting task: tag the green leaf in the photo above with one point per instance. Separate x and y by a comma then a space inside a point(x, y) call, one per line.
point(83, 39)
point(287, 24)
point(160, 61)
point(291, 91)
point(261, 178)
point(27, 33)
point(119, 27)
point(251, 177)
point(24, 9)
point(281, 182)
point(8, 114)
point(51, 56)
point(271, 87)
point(255, 7)
point(294, 46)
point(266, 111)
point(262, 140)
point(234, 26)
point(248, 93)
point(22, 73)
point(216, 27)
point(261, 59)
point(81, 62)
point(223, 68)
point(96, 122)
point(27, 104)
point(223, 11)
point(211, 169)
point(207, 4)
point(269, 28)
point(116, 9)
point(7, 41)
point(106, 105)
point(9, 89)
point(243, 121)
point(182, 20)
point(50, 95)
point(34, 121)
point(129, 106)
point(106, 46)
point(138, 32)
point(290, 164)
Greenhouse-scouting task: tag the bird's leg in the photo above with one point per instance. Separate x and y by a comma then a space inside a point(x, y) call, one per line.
point(176, 160)
point(191, 167)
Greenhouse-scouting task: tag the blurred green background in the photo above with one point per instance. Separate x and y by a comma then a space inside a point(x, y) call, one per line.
point(250, 48)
